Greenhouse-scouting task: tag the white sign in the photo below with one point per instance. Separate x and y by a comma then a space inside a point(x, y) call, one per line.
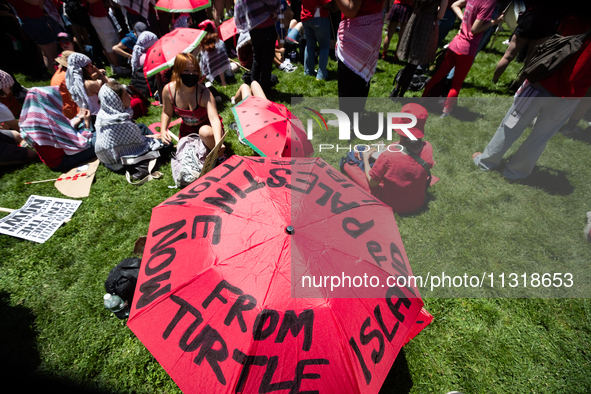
point(39, 218)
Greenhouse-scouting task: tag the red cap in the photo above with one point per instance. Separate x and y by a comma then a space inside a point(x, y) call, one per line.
point(420, 112)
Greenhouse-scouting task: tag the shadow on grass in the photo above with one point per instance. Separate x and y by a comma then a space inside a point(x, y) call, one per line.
point(19, 359)
point(5, 170)
point(399, 380)
point(553, 182)
point(583, 135)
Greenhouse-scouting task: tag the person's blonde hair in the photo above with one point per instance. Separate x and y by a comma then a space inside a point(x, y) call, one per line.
point(180, 62)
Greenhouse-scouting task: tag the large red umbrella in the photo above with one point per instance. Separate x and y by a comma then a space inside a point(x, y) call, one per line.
point(271, 129)
point(227, 29)
point(219, 300)
point(182, 5)
point(162, 54)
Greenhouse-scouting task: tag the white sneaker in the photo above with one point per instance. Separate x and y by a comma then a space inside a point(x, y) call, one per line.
point(289, 68)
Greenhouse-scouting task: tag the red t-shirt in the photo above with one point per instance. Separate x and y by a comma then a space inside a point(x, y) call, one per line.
point(96, 9)
point(26, 10)
point(49, 155)
point(574, 77)
point(402, 180)
point(368, 7)
point(465, 43)
point(406, 2)
point(309, 9)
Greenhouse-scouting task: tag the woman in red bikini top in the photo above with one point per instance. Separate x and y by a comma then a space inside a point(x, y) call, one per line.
point(192, 102)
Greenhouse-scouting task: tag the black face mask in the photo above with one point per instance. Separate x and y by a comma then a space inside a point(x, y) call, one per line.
point(189, 80)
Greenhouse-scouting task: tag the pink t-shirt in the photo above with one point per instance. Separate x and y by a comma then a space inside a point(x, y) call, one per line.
point(465, 43)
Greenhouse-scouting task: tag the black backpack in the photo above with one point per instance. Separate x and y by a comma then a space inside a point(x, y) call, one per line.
point(548, 57)
point(123, 278)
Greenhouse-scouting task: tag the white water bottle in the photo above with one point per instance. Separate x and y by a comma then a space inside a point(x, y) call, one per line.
point(114, 303)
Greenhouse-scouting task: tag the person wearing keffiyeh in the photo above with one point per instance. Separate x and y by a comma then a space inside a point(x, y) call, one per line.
point(57, 141)
point(117, 134)
point(144, 42)
point(75, 79)
point(81, 83)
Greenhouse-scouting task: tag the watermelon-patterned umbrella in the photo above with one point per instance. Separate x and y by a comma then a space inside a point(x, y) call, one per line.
point(182, 5)
point(271, 129)
point(162, 54)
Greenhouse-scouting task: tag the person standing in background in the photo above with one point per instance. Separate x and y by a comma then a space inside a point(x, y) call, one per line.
point(33, 22)
point(258, 18)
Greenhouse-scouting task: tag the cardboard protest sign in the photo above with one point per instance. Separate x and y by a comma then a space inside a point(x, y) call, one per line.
point(219, 300)
point(212, 157)
point(39, 218)
point(76, 183)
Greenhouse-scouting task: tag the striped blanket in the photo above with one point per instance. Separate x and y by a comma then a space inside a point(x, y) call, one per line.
point(215, 62)
point(43, 123)
point(358, 43)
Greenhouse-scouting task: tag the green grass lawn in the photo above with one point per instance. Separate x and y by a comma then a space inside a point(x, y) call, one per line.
point(56, 331)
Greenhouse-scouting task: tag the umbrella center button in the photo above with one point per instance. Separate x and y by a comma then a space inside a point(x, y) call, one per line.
point(290, 230)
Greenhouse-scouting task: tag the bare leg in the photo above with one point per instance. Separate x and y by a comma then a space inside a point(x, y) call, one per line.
point(49, 54)
point(218, 11)
point(257, 90)
point(388, 38)
point(206, 135)
point(243, 91)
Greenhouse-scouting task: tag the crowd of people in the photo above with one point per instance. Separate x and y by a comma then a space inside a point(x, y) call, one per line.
point(86, 114)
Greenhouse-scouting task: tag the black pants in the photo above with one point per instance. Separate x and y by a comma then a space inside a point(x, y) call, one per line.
point(263, 44)
point(351, 85)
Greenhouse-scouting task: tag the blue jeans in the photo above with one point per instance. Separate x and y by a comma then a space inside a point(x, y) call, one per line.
point(316, 30)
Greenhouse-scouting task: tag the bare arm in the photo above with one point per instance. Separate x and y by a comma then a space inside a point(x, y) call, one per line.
point(167, 111)
point(442, 9)
point(10, 125)
point(457, 8)
point(480, 26)
point(121, 49)
point(366, 156)
point(349, 8)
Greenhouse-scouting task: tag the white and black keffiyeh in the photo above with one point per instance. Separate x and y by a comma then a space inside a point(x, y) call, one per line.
point(117, 135)
point(144, 42)
point(215, 62)
point(75, 81)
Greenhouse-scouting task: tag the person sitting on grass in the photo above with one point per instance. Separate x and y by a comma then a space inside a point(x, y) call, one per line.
point(57, 140)
point(244, 91)
point(70, 108)
point(7, 119)
point(146, 40)
point(193, 102)
point(128, 43)
point(213, 60)
point(117, 134)
point(398, 176)
point(84, 81)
